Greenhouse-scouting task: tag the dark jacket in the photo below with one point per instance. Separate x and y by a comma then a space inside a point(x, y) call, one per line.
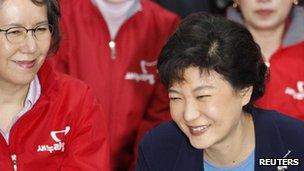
point(166, 148)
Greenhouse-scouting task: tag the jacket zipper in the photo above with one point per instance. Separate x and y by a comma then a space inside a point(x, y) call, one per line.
point(112, 46)
point(14, 160)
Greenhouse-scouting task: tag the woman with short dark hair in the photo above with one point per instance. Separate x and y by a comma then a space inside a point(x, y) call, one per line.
point(214, 71)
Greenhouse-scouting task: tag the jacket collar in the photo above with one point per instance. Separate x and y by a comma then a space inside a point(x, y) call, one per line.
point(268, 145)
point(268, 140)
point(188, 157)
point(48, 80)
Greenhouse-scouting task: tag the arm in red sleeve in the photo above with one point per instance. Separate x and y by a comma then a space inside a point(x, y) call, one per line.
point(88, 149)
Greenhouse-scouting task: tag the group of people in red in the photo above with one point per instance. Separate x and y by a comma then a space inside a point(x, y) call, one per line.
point(79, 86)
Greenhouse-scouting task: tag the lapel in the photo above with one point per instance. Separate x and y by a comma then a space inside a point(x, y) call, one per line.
point(188, 158)
point(268, 141)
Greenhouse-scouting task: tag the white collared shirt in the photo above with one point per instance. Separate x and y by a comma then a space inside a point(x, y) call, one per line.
point(31, 98)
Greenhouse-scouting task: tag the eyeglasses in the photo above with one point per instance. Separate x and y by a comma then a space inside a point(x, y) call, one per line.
point(19, 34)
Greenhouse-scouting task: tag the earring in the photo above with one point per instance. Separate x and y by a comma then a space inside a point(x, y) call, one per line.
point(295, 2)
point(235, 5)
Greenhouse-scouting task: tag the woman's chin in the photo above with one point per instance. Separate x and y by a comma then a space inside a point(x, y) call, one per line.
point(199, 143)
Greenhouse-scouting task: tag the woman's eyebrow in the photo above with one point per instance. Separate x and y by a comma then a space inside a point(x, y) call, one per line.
point(173, 91)
point(20, 25)
point(203, 87)
point(42, 22)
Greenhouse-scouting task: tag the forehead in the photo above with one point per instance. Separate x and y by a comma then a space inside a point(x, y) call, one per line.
point(23, 12)
point(194, 77)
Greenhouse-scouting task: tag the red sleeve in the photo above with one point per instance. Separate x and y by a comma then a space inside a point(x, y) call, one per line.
point(88, 149)
point(157, 111)
point(158, 108)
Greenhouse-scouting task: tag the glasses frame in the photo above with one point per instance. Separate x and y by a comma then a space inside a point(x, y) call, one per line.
point(33, 30)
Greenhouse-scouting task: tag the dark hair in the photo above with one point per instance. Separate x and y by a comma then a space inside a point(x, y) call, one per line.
point(214, 43)
point(53, 14)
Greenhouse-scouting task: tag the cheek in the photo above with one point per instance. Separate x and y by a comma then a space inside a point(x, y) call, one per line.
point(226, 126)
point(224, 108)
point(225, 114)
point(7, 50)
point(284, 11)
point(228, 119)
point(176, 111)
point(44, 47)
point(249, 16)
point(246, 8)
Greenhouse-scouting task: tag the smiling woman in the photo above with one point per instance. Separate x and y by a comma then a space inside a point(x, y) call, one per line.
point(214, 71)
point(47, 120)
point(22, 54)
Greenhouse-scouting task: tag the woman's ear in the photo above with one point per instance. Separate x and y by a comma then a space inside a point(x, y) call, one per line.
point(236, 3)
point(245, 94)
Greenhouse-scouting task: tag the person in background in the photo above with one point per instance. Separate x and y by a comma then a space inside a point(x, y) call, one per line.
point(186, 7)
point(113, 45)
point(278, 27)
point(214, 71)
point(48, 121)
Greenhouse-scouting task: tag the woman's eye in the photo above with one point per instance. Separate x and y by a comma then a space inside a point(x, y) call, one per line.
point(41, 29)
point(14, 32)
point(202, 97)
point(174, 98)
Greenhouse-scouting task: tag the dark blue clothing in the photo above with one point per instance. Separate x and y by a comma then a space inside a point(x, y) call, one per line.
point(166, 148)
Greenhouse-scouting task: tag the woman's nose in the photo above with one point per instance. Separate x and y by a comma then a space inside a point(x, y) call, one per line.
point(191, 111)
point(29, 45)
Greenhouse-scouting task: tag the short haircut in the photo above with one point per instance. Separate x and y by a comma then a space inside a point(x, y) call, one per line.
point(214, 43)
point(53, 14)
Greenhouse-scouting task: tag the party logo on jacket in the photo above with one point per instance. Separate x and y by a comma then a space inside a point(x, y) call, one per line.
point(296, 94)
point(58, 145)
point(145, 75)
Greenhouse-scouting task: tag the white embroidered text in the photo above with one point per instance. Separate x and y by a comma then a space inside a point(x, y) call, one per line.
point(58, 146)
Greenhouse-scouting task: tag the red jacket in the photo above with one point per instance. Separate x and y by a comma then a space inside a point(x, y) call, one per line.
point(64, 130)
point(285, 89)
point(128, 86)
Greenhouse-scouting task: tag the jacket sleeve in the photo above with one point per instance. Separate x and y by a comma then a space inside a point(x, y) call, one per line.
point(141, 164)
point(158, 108)
point(157, 112)
point(88, 148)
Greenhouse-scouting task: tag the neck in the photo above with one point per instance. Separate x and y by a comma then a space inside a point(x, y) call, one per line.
point(115, 14)
point(236, 147)
point(268, 39)
point(13, 94)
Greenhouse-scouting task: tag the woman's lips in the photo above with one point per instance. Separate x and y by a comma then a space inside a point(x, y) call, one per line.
point(198, 130)
point(264, 13)
point(26, 64)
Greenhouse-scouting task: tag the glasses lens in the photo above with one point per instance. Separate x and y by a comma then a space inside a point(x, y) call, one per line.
point(43, 32)
point(16, 34)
